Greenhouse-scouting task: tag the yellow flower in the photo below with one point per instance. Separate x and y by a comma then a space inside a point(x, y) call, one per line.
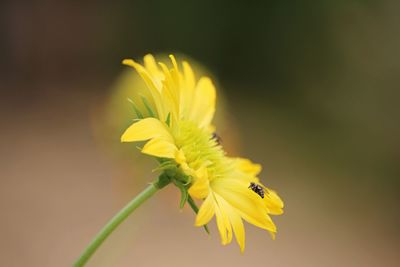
point(176, 125)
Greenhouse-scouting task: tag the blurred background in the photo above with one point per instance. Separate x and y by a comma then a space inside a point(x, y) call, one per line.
point(311, 91)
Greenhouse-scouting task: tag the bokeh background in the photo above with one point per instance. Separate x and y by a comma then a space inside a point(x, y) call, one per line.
point(311, 91)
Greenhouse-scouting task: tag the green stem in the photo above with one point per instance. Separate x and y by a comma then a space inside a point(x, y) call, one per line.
point(118, 219)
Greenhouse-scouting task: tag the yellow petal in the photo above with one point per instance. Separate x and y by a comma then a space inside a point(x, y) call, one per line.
point(221, 226)
point(171, 102)
point(248, 204)
point(206, 211)
point(181, 160)
point(248, 167)
point(211, 128)
point(170, 94)
point(177, 78)
point(273, 235)
point(223, 223)
point(160, 148)
point(266, 223)
point(189, 76)
point(146, 129)
point(235, 220)
point(273, 202)
point(200, 187)
point(152, 85)
point(151, 66)
point(203, 107)
point(187, 93)
point(173, 60)
point(238, 228)
point(180, 157)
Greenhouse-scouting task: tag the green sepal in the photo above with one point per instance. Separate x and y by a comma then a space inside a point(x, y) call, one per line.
point(196, 210)
point(166, 165)
point(136, 109)
point(184, 179)
point(148, 107)
point(184, 193)
point(168, 120)
point(162, 181)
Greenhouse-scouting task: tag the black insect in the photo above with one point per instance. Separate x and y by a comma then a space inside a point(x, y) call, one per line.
point(257, 188)
point(217, 138)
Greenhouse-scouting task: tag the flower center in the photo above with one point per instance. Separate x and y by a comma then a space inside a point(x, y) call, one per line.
point(201, 149)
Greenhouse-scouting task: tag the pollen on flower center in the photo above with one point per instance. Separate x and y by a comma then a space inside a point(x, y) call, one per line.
point(200, 149)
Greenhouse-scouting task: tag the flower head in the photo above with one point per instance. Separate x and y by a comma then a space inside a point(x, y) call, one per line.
point(176, 125)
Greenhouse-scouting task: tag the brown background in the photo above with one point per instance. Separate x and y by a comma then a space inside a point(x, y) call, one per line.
point(312, 93)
